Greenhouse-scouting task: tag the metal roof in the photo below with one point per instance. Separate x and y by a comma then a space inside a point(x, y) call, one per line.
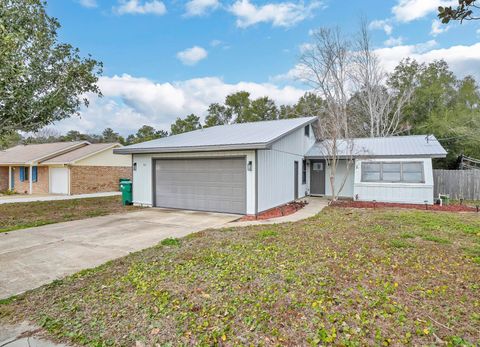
point(222, 137)
point(395, 146)
point(30, 154)
point(80, 153)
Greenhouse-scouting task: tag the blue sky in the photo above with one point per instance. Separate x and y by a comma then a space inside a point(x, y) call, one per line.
point(166, 59)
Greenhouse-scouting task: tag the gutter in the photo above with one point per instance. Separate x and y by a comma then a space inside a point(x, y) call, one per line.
point(210, 148)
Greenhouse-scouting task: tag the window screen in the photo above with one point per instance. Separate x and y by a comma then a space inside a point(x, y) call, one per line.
point(413, 172)
point(371, 172)
point(407, 172)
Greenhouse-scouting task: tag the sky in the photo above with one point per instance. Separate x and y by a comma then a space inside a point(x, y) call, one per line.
point(164, 59)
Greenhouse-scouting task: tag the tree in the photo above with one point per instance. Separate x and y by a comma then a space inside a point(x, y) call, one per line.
point(108, 135)
point(41, 80)
point(146, 133)
point(262, 109)
point(218, 115)
point(45, 135)
point(74, 135)
point(383, 105)
point(309, 104)
point(464, 11)
point(326, 66)
point(239, 108)
point(10, 140)
point(239, 105)
point(444, 106)
point(189, 123)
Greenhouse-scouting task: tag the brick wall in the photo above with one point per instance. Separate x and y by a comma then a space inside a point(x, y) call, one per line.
point(94, 179)
point(39, 187)
point(3, 178)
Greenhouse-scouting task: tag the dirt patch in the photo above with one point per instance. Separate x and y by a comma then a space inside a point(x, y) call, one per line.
point(371, 204)
point(276, 212)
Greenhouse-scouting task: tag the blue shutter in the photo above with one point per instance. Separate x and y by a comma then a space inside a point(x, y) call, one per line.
point(34, 174)
point(22, 173)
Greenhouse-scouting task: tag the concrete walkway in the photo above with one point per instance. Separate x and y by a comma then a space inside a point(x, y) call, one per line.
point(314, 206)
point(10, 199)
point(32, 257)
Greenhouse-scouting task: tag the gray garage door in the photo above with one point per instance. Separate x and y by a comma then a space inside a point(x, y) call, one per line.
point(201, 184)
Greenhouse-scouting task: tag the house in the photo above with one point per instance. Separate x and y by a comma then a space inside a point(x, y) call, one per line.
point(63, 168)
point(385, 169)
point(249, 168)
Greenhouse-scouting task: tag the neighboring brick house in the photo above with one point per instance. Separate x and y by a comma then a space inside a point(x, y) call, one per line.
point(63, 168)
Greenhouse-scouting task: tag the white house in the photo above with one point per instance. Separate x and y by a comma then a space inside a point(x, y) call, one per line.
point(249, 168)
point(384, 169)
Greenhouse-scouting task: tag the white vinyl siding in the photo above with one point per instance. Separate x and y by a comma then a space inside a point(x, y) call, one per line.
point(345, 173)
point(414, 186)
point(276, 170)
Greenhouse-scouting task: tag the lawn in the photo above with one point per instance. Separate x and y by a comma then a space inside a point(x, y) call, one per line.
point(31, 214)
point(348, 277)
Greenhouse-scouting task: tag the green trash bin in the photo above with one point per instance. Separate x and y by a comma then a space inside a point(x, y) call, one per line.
point(126, 189)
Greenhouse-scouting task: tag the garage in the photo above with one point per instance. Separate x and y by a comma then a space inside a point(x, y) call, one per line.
point(216, 184)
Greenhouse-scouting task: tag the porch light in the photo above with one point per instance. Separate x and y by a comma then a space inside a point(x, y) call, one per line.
point(134, 166)
point(249, 166)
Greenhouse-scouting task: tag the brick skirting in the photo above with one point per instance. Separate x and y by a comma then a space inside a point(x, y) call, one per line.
point(95, 179)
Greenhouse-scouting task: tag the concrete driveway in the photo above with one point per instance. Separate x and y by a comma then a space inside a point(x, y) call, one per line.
point(32, 257)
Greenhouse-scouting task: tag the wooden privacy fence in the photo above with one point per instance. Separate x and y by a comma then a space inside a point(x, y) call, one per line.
point(459, 184)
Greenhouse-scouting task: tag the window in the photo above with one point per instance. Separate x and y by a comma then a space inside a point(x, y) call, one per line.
point(412, 172)
point(307, 130)
point(23, 173)
point(371, 172)
point(34, 174)
point(405, 172)
point(317, 166)
point(304, 171)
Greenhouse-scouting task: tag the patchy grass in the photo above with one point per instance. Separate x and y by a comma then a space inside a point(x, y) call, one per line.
point(337, 278)
point(32, 214)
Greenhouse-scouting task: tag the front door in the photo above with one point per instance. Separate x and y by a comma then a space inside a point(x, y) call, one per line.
point(295, 180)
point(317, 177)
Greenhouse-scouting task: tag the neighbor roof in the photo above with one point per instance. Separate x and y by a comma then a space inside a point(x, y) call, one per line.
point(30, 154)
point(395, 146)
point(222, 137)
point(80, 153)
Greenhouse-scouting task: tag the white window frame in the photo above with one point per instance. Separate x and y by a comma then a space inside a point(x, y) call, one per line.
point(401, 163)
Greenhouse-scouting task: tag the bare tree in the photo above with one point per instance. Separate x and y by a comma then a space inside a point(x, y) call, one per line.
point(326, 67)
point(382, 104)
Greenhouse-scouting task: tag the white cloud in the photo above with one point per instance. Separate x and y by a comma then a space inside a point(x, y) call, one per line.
point(129, 102)
point(304, 47)
point(88, 3)
point(138, 7)
point(438, 27)
point(215, 43)
point(193, 55)
point(409, 10)
point(393, 41)
point(200, 7)
point(282, 14)
point(383, 24)
point(463, 60)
